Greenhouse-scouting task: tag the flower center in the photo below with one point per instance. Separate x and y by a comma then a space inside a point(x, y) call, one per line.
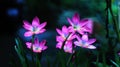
point(83, 42)
point(34, 28)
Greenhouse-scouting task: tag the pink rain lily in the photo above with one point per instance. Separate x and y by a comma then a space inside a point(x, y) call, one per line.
point(85, 42)
point(67, 47)
point(80, 26)
point(64, 34)
point(36, 46)
point(34, 28)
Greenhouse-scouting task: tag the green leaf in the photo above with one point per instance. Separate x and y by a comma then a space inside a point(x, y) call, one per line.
point(114, 63)
point(38, 61)
point(20, 56)
point(48, 61)
point(100, 64)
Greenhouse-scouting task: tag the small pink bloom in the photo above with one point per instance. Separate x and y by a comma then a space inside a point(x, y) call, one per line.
point(64, 34)
point(37, 47)
point(34, 28)
point(67, 47)
point(80, 26)
point(85, 42)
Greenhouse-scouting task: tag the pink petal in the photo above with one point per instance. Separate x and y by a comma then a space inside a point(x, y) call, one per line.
point(76, 43)
point(44, 48)
point(59, 32)
point(84, 22)
point(43, 25)
point(68, 47)
point(59, 45)
point(28, 44)
point(86, 29)
point(71, 23)
point(65, 30)
point(35, 21)
point(27, 34)
point(42, 43)
point(27, 25)
point(71, 36)
point(71, 29)
point(90, 41)
point(89, 25)
point(76, 18)
point(85, 37)
point(91, 47)
point(40, 31)
point(78, 37)
point(59, 39)
point(36, 41)
point(37, 51)
point(81, 31)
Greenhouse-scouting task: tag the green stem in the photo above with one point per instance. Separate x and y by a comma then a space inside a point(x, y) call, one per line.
point(104, 60)
point(71, 56)
point(97, 61)
point(32, 55)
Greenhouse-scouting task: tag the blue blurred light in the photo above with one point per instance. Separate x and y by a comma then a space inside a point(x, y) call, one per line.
point(20, 1)
point(12, 12)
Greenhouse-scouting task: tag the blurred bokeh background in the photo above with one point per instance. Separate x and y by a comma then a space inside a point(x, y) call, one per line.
point(55, 12)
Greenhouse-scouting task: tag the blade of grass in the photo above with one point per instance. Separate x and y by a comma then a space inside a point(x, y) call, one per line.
point(20, 56)
point(114, 63)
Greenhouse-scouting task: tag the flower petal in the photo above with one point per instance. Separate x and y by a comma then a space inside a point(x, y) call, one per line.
point(76, 18)
point(90, 41)
point(27, 25)
point(44, 48)
point(89, 25)
point(71, 36)
point(59, 39)
point(68, 47)
point(91, 47)
point(65, 30)
point(85, 37)
point(35, 21)
point(42, 43)
point(59, 45)
point(40, 31)
point(28, 33)
point(36, 41)
point(28, 44)
point(84, 22)
point(59, 32)
point(77, 43)
point(43, 25)
point(81, 31)
point(71, 29)
point(71, 23)
point(78, 37)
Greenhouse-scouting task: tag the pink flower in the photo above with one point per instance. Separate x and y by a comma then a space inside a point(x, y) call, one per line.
point(34, 28)
point(67, 47)
point(64, 34)
point(119, 53)
point(80, 26)
point(36, 46)
point(84, 42)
